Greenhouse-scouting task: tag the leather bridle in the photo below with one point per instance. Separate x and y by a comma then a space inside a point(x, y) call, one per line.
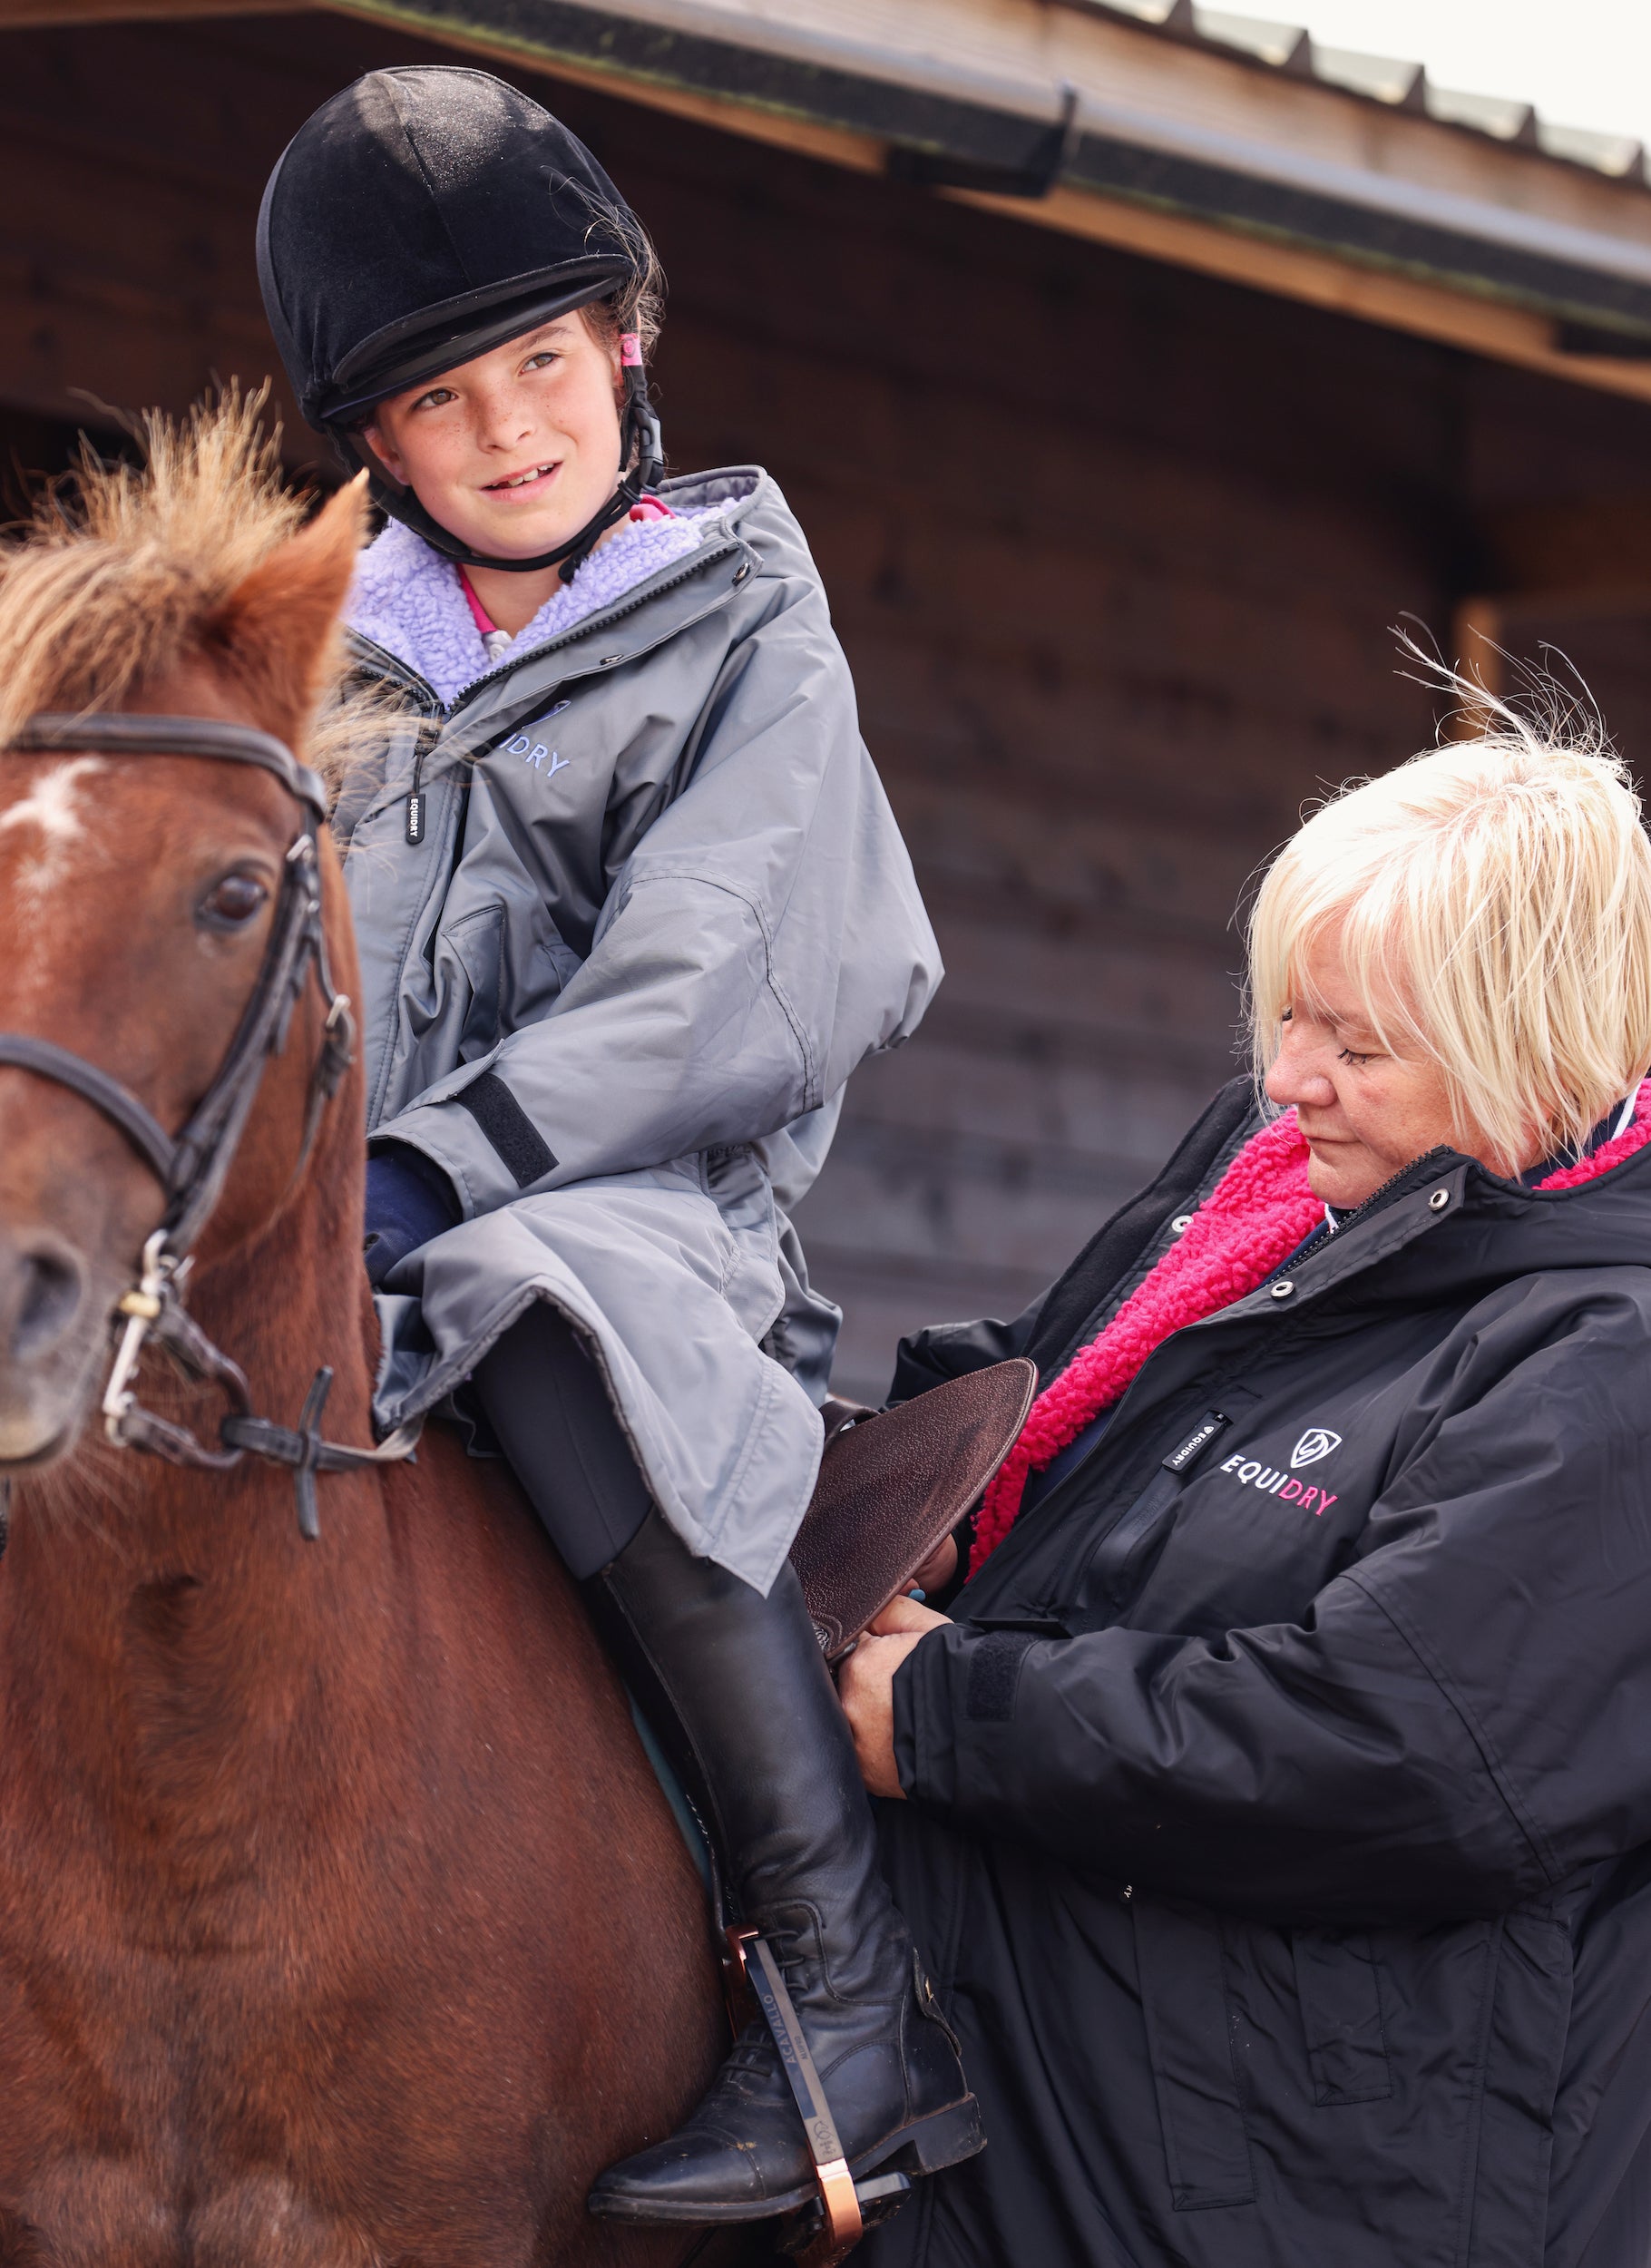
point(192, 1166)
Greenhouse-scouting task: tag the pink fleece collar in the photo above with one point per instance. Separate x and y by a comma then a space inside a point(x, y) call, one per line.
point(1256, 1215)
point(1634, 1136)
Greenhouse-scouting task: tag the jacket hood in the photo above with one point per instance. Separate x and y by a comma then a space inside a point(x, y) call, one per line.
point(1595, 1214)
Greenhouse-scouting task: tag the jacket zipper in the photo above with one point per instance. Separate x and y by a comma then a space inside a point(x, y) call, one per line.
point(434, 711)
point(1116, 1569)
point(387, 665)
point(418, 800)
point(1389, 1193)
point(1395, 1185)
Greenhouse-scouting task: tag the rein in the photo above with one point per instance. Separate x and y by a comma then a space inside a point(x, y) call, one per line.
point(192, 1166)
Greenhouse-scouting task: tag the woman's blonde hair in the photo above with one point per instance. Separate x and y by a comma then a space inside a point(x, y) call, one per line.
point(1491, 901)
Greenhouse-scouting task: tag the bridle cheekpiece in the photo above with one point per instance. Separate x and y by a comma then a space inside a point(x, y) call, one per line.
point(192, 1166)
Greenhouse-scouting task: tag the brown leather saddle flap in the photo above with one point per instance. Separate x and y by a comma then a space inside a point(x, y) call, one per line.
point(893, 1485)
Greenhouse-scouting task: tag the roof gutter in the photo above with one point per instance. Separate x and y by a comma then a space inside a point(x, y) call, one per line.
point(1002, 133)
point(1570, 273)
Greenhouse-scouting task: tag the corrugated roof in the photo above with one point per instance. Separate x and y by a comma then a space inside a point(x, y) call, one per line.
point(1384, 79)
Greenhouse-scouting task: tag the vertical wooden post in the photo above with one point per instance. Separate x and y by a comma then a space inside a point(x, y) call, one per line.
point(1477, 628)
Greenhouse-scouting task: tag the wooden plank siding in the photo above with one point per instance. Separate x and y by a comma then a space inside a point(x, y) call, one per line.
point(1113, 548)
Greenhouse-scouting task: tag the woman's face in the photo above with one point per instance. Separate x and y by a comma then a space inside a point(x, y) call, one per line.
point(1366, 1112)
point(512, 452)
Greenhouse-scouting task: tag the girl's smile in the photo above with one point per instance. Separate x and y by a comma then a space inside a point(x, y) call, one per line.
point(537, 479)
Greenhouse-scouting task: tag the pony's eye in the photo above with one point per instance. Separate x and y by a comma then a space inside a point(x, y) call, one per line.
point(232, 901)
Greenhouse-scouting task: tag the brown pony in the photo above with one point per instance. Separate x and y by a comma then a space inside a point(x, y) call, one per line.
point(341, 1920)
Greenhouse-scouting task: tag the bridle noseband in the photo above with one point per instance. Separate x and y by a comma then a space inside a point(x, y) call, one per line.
point(192, 1166)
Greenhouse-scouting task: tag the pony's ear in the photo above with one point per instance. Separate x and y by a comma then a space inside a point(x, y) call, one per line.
point(277, 629)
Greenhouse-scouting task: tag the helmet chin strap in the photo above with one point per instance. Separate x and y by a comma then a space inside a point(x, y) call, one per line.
point(643, 451)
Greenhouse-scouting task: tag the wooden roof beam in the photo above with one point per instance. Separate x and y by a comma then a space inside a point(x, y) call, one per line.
point(17, 16)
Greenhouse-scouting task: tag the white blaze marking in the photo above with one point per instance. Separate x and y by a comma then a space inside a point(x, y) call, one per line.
point(49, 807)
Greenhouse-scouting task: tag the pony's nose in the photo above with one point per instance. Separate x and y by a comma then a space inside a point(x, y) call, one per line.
point(43, 1285)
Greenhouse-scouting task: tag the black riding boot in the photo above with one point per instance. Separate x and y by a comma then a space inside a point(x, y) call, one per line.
point(771, 1751)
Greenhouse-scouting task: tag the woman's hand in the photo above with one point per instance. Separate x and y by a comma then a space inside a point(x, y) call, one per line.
point(865, 1685)
point(939, 1568)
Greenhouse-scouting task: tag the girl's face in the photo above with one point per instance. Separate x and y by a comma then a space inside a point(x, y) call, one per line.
point(512, 452)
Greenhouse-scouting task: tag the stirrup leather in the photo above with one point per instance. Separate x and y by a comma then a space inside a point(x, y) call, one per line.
point(843, 2224)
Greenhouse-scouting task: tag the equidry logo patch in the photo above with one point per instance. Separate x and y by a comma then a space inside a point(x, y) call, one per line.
point(1271, 1481)
point(1315, 1443)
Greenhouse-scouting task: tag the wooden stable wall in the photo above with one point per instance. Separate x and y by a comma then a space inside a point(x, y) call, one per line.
point(1114, 550)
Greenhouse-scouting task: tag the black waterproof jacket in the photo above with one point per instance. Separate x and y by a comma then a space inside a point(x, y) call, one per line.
point(1284, 1858)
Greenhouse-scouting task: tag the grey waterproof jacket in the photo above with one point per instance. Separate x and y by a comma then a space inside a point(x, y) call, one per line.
point(1284, 1851)
point(656, 912)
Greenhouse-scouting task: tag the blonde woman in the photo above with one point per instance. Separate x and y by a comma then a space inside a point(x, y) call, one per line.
point(1277, 1799)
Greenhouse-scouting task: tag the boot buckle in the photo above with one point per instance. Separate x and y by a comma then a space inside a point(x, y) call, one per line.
point(737, 1998)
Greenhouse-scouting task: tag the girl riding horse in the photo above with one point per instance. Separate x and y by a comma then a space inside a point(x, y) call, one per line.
point(631, 906)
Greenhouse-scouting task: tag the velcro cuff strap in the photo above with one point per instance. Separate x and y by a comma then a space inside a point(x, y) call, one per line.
point(526, 1156)
point(994, 1672)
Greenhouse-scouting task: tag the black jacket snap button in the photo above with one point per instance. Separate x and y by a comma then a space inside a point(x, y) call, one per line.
point(1179, 1225)
point(1283, 1290)
point(1439, 1200)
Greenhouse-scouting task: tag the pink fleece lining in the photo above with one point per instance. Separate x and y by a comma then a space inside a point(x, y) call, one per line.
point(1256, 1215)
point(1634, 1136)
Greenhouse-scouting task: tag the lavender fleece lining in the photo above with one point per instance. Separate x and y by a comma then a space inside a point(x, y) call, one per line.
point(408, 598)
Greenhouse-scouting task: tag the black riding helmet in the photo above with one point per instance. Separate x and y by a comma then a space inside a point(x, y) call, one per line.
point(420, 218)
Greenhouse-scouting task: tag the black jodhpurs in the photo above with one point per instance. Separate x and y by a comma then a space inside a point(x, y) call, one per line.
point(548, 1406)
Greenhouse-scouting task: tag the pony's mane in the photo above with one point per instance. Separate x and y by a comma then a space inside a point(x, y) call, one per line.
point(118, 577)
